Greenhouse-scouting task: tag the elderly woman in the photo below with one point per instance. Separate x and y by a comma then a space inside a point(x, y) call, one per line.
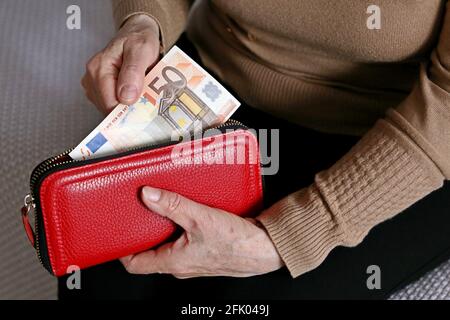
point(365, 91)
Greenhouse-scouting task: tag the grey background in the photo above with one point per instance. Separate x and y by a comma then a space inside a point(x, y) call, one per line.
point(43, 111)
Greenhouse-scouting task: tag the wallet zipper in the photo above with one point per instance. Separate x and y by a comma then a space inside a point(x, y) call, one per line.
point(60, 160)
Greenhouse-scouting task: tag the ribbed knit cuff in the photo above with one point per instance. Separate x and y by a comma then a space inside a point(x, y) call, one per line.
point(302, 229)
point(381, 176)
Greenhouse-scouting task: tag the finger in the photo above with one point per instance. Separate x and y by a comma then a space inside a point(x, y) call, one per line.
point(151, 261)
point(107, 88)
point(142, 263)
point(101, 78)
point(126, 260)
point(103, 72)
point(137, 57)
point(186, 213)
point(89, 91)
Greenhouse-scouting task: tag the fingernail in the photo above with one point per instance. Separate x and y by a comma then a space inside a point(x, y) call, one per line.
point(151, 194)
point(128, 92)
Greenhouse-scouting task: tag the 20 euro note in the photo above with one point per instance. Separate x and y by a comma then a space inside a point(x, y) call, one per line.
point(178, 96)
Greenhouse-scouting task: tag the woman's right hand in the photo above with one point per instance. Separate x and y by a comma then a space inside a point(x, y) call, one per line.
point(116, 74)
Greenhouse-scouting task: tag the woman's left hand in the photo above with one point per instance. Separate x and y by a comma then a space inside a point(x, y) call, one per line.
point(214, 242)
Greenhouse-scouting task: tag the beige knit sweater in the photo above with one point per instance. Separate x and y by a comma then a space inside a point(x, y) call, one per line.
point(315, 62)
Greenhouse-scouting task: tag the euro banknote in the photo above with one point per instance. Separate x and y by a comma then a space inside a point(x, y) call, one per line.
point(178, 97)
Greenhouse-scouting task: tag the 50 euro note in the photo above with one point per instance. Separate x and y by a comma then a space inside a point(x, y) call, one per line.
point(178, 96)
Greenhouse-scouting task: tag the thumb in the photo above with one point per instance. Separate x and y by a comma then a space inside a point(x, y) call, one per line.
point(137, 57)
point(184, 212)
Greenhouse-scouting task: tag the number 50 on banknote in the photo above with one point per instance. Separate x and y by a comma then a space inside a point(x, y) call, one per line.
point(178, 94)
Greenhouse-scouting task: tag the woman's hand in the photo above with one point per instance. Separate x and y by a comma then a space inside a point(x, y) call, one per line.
point(116, 74)
point(215, 242)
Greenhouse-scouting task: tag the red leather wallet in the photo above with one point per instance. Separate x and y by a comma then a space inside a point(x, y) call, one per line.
point(90, 212)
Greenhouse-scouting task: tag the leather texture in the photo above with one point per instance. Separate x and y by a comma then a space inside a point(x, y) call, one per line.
point(93, 213)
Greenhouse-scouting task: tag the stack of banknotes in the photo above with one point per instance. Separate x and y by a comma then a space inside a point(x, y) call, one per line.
point(178, 96)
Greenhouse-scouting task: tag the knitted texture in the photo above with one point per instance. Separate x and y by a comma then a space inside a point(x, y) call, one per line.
point(378, 178)
point(334, 75)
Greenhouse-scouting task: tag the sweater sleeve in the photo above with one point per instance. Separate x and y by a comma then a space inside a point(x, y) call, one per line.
point(403, 158)
point(170, 15)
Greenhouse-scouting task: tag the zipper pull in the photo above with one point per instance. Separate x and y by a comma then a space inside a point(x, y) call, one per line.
point(28, 206)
